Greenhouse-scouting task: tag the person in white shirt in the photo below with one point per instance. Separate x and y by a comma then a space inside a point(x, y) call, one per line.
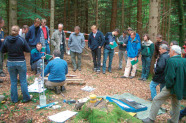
point(23, 31)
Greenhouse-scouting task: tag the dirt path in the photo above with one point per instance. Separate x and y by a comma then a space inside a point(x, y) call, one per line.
point(105, 84)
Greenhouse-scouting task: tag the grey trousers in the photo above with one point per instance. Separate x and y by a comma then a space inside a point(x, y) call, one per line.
point(73, 58)
point(160, 99)
point(1, 62)
point(121, 54)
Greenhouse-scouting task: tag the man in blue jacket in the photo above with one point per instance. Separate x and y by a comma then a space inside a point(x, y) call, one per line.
point(2, 74)
point(37, 54)
point(95, 43)
point(34, 34)
point(133, 51)
point(110, 38)
point(58, 69)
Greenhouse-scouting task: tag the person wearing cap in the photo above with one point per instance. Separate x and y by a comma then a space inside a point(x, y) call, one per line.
point(175, 81)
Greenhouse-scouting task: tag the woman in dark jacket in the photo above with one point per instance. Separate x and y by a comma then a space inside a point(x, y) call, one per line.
point(147, 50)
point(15, 46)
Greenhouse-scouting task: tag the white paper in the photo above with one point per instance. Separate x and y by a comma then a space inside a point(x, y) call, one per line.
point(35, 87)
point(62, 116)
point(88, 88)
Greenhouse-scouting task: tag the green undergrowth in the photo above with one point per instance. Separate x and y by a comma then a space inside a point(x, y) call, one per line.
point(117, 115)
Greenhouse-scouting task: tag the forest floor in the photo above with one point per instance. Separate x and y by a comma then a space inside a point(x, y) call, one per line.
point(105, 84)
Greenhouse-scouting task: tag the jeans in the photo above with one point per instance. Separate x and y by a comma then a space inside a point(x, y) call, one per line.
point(153, 88)
point(107, 53)
point(73, 58)
point(15, 68)
point(31, 48)
point(62, 51)
point(121, 54)
point(1, 62)
point(146, 61)
point(36, 64)
point(96, 54)
point(47, 47)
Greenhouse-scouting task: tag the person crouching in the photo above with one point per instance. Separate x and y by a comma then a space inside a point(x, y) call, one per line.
point(58, 69)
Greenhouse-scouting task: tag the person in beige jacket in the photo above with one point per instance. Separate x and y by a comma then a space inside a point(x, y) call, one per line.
point(58, 40)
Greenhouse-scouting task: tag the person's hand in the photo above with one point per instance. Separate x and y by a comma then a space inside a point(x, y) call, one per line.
point(43, 57)
point(124, 44)
point(126, 52)
point(99, 47)
point(2, 40)
point(111, 43)
point(135, 59)
point(49, 42)
point(68, 48)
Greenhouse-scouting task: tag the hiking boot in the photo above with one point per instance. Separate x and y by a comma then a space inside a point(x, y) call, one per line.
point(95, 70)
point(140, 78)
point(119, 68)
point(31, 96)
point(1, 80)
point(57, 89)
point(98, 71)
point(147, 120)
point(2, 74)
point(150, 99)
point(74, 69)
point(123, 77)
point(110, 71)
point(169, 121)
point(144, 79)
point(131, 77)
point(79, 69)
point(63, 88)
point(103, 72)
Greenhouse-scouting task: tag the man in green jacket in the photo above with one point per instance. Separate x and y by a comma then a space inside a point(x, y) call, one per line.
point(175, 78)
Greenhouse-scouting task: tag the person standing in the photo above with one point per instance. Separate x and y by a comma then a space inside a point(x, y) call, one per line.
point(133, 51)
point(147, 50)
point(24, 31)
point(95, 43)
point(45, 35)
point(175, 81)
point(123, 41)
point(58, 40)
point(157, 45)
point(2, 74)
point(76, 43)
point(159, 75)
point(15, 46)
point(34, 34)
point(110, 38)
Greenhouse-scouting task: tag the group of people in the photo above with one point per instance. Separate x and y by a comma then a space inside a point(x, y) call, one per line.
point(169, 68)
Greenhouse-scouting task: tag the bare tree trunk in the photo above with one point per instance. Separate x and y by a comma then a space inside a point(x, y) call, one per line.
point(114, 15)
point(12, 13)
point(122, 16)
point(64, 19)
point(169, 23)
point(181, 21)
point(86, 15)
point(139, 17)
point(52, 18)
point(153, 24)
point(75, 13)
point(97, 13)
